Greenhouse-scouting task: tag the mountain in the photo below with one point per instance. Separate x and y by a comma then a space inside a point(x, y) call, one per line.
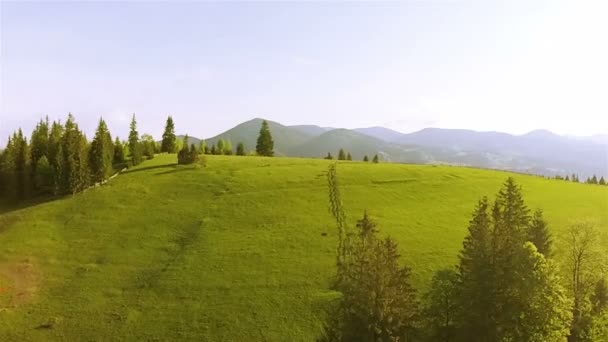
point(191, 140)
point(284, 137)
point(311, 130)
point(381, 133)
point(537, 152)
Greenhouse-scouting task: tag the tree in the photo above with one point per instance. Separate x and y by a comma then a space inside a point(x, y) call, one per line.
point(441, 308)
point(134, 145)
point(265, 144)
point(602, 181)
point(169, 140)
point(582, 264)
point(349, 157)
point(508, 290)
point(73, 159)
point(240, 149)
point(53, 151)
point(341, 155)
point(376, 160)
point(202, 147)
point(365, 159)
point(378, 302)
point(593, 180)
point(213, 149)
point(101, 154)
point(539, 235)
point(39, 146)
point(329, 156)
point(148, 146)
point(44, 177)
point(119, 152)
point(188, 154)
point(227, 148)
point(220, 146)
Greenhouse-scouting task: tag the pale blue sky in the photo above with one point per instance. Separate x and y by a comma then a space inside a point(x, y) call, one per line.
point(510, 66)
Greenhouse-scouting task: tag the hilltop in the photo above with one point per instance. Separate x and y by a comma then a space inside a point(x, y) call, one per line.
point(241, 250)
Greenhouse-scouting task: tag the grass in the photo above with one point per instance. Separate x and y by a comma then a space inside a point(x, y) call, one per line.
point(236, 251)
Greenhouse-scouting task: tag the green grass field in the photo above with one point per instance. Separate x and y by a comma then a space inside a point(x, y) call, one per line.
point(235, 251)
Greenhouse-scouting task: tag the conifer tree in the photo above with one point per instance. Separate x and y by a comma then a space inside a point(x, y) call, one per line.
point(376, 160)
point(329, 156)
point(101, 154)
point(148, 146)
point(73, 159)
point(341, 155)
point(365, 159)
point(39, 145)
point(349, 157)
point(134, 145)
point(240, 149)
point(213, 150)
point(169, 140)
point(22, 175)
point(119, 152)
point(44, 177)
point(53, 152)
point(539, 235)
point(602, 181)
point(265, 144)
point(593, 180)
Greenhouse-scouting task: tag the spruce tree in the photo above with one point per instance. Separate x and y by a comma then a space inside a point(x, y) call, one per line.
point(44, 177)
point(73, 159)
point(341, 155)
point(240, 149)
point(539, 235)
point(349, 157)
point(53, 152)
point(148, 146)
point(365, 158)
point(602, 181)
point(593, 180)
point(101, 154)
point(134, 145)
point(39, 146)
point(376, 160)
point(119, 152)
point(265, 144)
point(169, 140)
point(329, 156)
point(213, 150)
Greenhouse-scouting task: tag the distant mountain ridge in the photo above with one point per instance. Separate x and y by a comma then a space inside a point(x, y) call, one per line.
point(537, 152)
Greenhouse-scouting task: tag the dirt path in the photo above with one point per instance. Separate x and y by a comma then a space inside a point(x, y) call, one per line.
point(19, 282)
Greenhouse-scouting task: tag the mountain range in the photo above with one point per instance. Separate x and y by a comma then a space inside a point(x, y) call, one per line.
point(537, 152)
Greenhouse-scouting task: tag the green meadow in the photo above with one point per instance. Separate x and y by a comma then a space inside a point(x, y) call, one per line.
point(240, 250)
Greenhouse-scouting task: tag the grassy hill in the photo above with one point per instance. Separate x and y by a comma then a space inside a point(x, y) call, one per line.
point(242, 250)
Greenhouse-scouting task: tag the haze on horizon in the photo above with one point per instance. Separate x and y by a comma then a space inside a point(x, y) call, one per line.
point(511, 67)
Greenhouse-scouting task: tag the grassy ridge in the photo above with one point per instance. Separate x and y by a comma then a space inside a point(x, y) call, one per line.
point(235, 251)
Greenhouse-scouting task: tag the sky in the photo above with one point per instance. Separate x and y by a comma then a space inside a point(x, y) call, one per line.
point(511, 66)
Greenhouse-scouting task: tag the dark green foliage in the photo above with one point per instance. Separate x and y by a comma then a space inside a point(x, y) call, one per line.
point(119, 152)
point(329, 156)
point(441, 307)
point(508, 290)
point(365, 159)
point(73, 159)
point(602, 181)
point(188, 154)
point(101, 154)
point(265, 144)
point(349, 157)
point(39, 146)
point(375, 160)
point(15, 167)
point(45, 176)
point(168, 143)
point(539, 234)
point(593, 180)
point(213, 150)
point(53, 151)
point(240, 149)
point(599, 299)
point(378, 302)
point(134, 145)
point(341, 155)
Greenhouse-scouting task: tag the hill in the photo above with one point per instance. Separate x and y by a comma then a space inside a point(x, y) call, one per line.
point(242, 250)
point(284, 137)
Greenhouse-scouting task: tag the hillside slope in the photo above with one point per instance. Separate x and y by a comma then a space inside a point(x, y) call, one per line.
point(242, 250)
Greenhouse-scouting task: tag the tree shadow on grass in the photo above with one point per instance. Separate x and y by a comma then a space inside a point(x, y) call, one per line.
point(7, 206)
point(148, 168)
point(177, 169)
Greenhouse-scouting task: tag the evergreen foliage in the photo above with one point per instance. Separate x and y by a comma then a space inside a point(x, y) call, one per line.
point(119, 152)
point(168, 143)
point(365, 158)
point(101, 154)
point(341, 155)
point(73, 159)
point(329, 156)
point(349, 157)
point(376, 160)
point(134, 145)
point(539, 234)
point(265, 144)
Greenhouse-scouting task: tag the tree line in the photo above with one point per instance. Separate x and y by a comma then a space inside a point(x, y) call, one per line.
point(590, 180)
point(506, 285)
point(58, 159)
point(342, 155)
